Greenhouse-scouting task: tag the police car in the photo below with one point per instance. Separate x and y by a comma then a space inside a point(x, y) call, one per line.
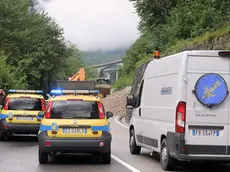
point(19, 114)
point(75, 122)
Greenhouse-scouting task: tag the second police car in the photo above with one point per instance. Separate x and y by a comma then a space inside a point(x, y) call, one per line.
point(19, 114)
point(75, 122)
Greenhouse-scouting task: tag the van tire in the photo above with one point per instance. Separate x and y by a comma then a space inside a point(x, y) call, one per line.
point(167, 162)
point(43, 157)
point(134, 149)
point(106, 157)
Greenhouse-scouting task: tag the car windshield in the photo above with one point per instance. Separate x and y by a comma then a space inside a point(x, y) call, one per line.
point(74, 109)
point(33, 104)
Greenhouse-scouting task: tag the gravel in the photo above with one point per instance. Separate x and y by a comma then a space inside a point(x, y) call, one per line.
point(116, 102)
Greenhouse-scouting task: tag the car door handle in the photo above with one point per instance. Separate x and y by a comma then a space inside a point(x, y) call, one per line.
point(139, 111)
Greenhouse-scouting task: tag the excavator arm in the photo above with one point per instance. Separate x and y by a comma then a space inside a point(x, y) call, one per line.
point(79, 76)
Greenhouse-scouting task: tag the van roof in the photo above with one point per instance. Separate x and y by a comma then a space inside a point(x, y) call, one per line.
point(204, 52)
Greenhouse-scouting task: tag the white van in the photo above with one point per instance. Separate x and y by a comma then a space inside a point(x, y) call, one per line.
point(182, 108)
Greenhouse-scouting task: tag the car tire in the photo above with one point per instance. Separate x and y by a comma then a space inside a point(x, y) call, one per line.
point(43, 157)
point(167, 162)
point(2, 136)
point(106, 157)
point(134, 149)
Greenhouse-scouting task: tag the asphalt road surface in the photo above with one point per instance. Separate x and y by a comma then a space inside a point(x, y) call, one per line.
point(20, 154)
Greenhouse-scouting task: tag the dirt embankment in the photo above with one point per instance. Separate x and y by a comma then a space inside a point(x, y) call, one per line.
point(116, 102)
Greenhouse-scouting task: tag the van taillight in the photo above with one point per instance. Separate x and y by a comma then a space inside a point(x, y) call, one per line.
point(101, 110)
point(6, 103)
point(43, 105)
point(180, 117)
point(48, 111)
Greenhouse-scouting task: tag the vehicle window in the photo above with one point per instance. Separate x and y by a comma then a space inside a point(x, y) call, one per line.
point(71, 109)
point(33, 104)
point(138, 102)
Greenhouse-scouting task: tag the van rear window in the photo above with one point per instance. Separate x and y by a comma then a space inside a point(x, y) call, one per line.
point(33, 104)
point(72, 109)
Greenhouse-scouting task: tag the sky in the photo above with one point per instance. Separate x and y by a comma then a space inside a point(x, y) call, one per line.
point(96, 24)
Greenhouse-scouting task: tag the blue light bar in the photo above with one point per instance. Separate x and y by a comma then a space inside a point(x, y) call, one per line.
point(12, 91)
point(59, 92)
point(26, 91)
point(56, 91)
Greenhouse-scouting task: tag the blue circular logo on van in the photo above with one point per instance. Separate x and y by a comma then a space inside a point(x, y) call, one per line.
point(211, 89)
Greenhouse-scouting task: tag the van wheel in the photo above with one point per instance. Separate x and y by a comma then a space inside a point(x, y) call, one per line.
point(134, 149)
point(43, 157)
point(167, 162)
point(106, 157)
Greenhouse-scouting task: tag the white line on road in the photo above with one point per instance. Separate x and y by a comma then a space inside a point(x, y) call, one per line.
point(125, 164)
point(118, 121)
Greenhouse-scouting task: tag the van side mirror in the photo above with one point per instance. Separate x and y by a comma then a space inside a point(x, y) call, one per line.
point(109, 114)
point(41, 114)
point(130, 101)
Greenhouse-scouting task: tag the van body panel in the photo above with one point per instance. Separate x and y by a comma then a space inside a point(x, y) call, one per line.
point(197, 115)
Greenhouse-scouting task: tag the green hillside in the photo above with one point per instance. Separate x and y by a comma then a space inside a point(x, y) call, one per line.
point(98, 57)
point(174, 26)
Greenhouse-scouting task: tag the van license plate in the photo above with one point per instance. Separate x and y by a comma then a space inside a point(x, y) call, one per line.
point(205, 132)
point(74, 130)
point(25, 118)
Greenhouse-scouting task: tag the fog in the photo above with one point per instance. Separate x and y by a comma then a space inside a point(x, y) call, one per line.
point(96, 24)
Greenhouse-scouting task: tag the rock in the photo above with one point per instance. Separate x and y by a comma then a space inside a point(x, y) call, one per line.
point(116, 102)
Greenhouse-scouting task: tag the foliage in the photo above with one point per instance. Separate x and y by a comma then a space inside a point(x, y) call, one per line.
point(34, 46)
point(99, 57)
point(123, 82)
point(168, 25)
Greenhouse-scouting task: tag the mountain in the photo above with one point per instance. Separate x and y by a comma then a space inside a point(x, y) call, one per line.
point(99, 57)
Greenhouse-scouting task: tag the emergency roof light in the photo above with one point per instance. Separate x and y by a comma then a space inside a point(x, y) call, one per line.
point(60, 92)
point(26, 91)
point(224, 53)
point(156, 54)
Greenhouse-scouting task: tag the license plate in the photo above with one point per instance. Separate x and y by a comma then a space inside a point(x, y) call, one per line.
point(74, 130)
point(25, 118)
point(198, 132)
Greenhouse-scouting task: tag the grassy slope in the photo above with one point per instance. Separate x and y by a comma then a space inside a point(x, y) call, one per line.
point(98, 57)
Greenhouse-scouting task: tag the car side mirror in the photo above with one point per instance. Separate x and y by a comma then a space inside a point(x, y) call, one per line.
point(109, 114)
point(130, 101)
point(41, 114)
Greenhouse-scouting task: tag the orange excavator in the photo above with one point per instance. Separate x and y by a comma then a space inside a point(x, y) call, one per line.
point(101, 84)
point(79, 76)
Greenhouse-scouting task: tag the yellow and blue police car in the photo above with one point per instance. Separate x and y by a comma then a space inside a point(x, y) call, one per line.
point(19, 114)
point(75, 122)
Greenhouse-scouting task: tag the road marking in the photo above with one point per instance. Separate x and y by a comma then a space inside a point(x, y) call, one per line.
point(125, 164)
point(118, 121)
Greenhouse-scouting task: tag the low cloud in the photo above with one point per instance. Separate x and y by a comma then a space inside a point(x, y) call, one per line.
point(96, 24)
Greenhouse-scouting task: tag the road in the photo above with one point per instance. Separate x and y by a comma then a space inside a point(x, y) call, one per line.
point(19, 154)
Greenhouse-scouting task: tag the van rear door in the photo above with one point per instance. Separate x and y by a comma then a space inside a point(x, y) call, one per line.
point(207, 106)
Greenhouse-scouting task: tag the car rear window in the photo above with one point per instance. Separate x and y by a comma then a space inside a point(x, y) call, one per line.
point(72, 109)
point(33, 104)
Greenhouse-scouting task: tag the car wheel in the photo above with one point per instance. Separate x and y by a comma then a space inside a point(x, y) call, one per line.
point(43, 157)
point(2, 136)
point(167, 162)
point(134, 149)
point(106, 157)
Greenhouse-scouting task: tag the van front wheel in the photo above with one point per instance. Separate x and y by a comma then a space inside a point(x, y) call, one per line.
point(167, 162)
point(134, 149)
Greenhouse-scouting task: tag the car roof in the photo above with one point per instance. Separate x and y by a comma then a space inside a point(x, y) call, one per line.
point(23, 94)
point(84, 97)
